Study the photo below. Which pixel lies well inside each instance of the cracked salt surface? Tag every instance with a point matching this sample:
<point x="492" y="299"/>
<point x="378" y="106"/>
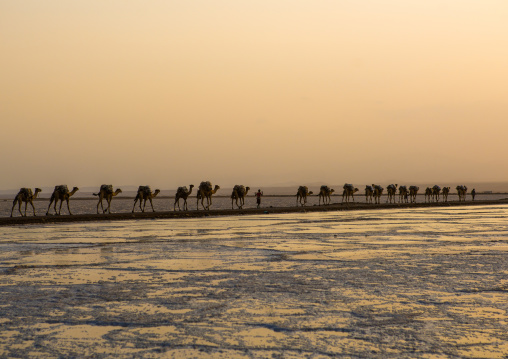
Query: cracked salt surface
<point x="393" y="283"/>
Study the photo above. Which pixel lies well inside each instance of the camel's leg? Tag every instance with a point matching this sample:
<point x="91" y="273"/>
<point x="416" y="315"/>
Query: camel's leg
<point x="100" y="202"/>
<point x="14" y="205"/>
<point x="56" y="201"/>
<point x="102" y="205"/>
<point x="232" y="207"/>
<point x="174" y="205"/>
<point x="109" y="205"/>
<point x="151" y="204"/>
<point x="68" y="208"/>
<point x="208" y="202"/>
<point x="50" y="202"/>
<point x="33" y="207"/>
<point x="19" y="207"/>
<point x="142" y="210"/>
<point x="26" y="204"/>
<point x="135" y="201"/>
<point x="185" y="207"/>
<point x="61" y="203"/>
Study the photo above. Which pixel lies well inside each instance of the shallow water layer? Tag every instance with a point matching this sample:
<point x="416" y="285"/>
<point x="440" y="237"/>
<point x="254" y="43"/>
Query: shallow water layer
<point x="426" y="282"/>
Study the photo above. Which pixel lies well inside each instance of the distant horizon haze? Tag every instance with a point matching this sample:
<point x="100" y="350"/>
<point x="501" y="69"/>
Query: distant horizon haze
<point x="168" y="93"/>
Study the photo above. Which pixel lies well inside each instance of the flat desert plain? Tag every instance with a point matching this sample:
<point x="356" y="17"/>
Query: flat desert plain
<point x="408" y="282"/>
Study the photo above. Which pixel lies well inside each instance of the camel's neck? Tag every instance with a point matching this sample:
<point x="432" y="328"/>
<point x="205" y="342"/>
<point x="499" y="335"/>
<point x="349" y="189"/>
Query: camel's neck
<point x="72" y="192"/>
<point x="36" y="194"/>
<point x="117" y="192"/>
<point x="190" y="191"/>
<point x="214" y="191"/>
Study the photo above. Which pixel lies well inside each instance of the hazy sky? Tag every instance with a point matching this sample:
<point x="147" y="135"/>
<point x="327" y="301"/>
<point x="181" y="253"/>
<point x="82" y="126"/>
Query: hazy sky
<point x="169" y="93"/>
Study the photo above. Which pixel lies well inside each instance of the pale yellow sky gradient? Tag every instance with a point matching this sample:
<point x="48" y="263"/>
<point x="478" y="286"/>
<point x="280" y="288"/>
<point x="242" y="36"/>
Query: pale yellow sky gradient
<point x="169" y="93"/>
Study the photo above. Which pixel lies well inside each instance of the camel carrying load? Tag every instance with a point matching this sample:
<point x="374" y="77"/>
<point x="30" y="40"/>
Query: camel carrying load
<point x="349" y="191"/>
<point x="147" y="191"/>
<point x="205" y="191"/>
<point x="239" y="189"/>
<point x="403" y="194"/>
<point x="391" y="189"/>
<point x="25" y="195"/>
<point x="62" y="189"/>
<point x="61" y="193"/>
<point x="461" y="191"/>
<point x="238" y="194"/>
<point x="107" y="188"/>
<point x="349" y="186"/>
<point x="181" y="190"/>
<point x="26" y="192"/>
<point x="413" y="191"/>
<point x="369" y="193"/>
<point x="206" y="185"/>
<point x="325" y="193"/>
<point x="378" y="191"/>
<point x="324" y="188"/>
<point x="301" y="195"/>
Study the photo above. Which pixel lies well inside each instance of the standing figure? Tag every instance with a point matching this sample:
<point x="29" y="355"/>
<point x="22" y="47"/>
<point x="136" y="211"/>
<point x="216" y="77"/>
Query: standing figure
<point x="473" y="193"/>
<point x="259" y="194"/>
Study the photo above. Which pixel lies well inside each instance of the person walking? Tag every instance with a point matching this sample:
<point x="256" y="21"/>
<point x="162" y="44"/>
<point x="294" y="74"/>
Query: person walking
<point x="473" y="193"/>
<point x="258" y="197"/>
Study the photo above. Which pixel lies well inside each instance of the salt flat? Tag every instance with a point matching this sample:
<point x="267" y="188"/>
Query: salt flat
<point x="419" y="282"/>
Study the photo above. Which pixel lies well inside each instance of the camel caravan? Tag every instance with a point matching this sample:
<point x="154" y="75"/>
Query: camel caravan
<point x="205" y="191"/>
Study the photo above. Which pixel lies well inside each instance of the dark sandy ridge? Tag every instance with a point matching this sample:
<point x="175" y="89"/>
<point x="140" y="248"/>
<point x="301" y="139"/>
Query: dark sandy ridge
<point x="9" y="221"/>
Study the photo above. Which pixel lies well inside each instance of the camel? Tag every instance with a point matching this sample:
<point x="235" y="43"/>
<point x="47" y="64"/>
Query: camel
<point x="25" y="195"/>
<point x="61" y="193"/>
<point x="391" y="190"/>
<point x="446" y="191"/>
<point x="428" y="194"/>
<point x="106" y="191"/>
<point x="301" y="195"/>
<point x="436" y="190"/>
<point x="239" y="193"/>
<point x="378" y="191"/>
<point x="144" y="194"/>
<point x="369" y="192"/>
<point x="462" y="191"/>
<point x="349" y="191"/>
<point x="413" y="191"/>
<point x="205" y="191"/>
<point x="403" y="194"/>
<point x="325" y="192"/>
<point x="184" y="193"/>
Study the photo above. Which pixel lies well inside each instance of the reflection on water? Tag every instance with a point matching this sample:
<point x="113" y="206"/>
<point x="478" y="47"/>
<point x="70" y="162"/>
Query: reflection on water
<point x="412" y="282"/>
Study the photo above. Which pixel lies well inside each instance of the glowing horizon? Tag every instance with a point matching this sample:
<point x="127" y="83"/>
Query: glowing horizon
<point x="266" y="93"/>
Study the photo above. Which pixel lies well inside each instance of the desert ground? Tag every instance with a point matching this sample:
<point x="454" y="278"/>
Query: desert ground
<point x="427" y="282"/>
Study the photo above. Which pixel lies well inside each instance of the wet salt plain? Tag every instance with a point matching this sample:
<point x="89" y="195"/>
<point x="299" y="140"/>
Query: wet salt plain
<point x="420" y="282"/>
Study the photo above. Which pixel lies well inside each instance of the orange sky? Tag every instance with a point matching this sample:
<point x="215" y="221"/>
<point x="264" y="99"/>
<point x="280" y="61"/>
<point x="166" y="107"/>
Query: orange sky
<point x="169" y="93"/>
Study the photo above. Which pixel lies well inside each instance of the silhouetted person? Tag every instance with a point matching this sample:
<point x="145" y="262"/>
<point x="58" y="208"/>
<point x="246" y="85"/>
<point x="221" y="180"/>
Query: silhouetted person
<point x="258" y="197"/>
<point x="473" y="193"/>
